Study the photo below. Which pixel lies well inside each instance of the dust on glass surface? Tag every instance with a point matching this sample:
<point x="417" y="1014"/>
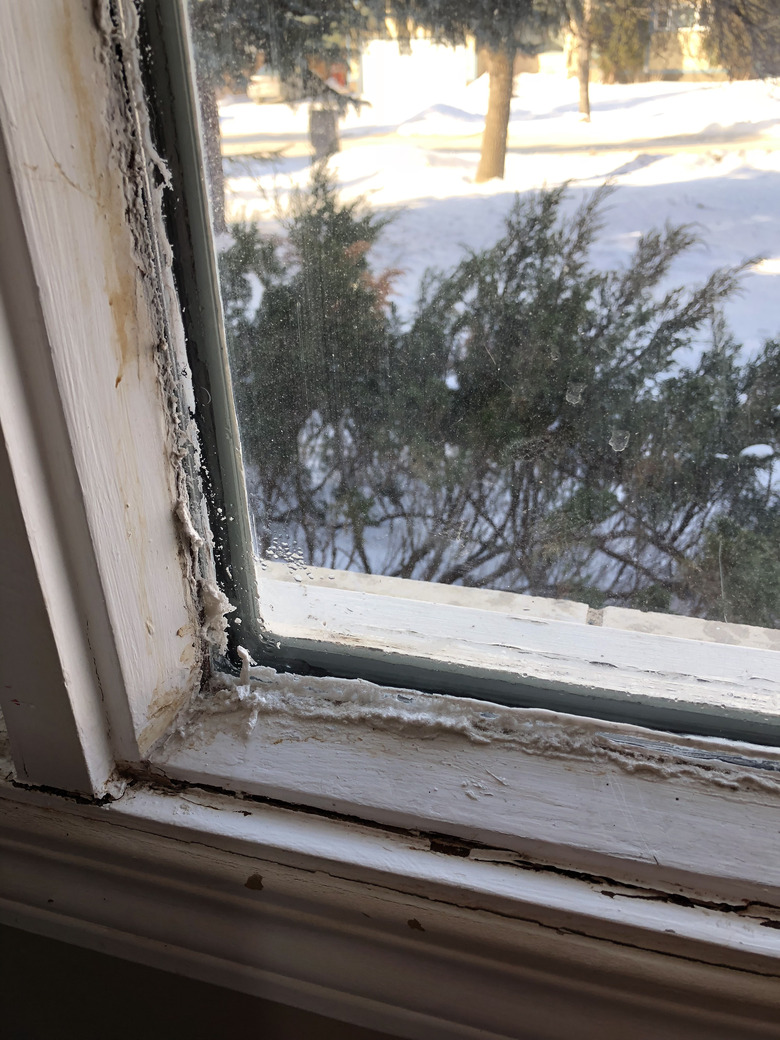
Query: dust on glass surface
<point x="499" y="283"/>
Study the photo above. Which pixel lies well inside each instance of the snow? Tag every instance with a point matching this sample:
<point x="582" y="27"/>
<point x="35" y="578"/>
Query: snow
<point x="546" y="108"/>
<point x="704" y="154"/>
<point x="758" y="451"/>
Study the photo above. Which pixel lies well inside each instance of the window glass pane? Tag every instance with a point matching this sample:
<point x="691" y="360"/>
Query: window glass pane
<point x="500" y="304"/>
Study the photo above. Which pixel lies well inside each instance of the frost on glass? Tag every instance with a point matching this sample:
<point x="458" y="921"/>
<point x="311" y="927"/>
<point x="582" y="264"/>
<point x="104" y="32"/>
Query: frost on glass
<point x="499" y="283"/>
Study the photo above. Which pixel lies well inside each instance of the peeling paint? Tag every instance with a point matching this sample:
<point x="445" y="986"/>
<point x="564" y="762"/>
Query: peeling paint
<point x="146" y="178"/>
<point x="188" y="528"/>
<point x="236" y="704"/>
<point x="215" y="606"/>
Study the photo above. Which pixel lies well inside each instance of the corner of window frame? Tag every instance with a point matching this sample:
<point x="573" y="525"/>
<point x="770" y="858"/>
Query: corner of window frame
<point x="104" y="633"/>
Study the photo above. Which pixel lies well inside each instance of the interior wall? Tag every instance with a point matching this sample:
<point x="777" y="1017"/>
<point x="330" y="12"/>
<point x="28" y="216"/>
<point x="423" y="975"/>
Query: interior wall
<point x="53" y="990"/>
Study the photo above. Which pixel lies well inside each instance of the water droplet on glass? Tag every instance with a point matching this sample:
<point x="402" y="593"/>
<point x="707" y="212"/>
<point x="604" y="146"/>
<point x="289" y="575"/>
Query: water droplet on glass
<point x="619" y="440"/>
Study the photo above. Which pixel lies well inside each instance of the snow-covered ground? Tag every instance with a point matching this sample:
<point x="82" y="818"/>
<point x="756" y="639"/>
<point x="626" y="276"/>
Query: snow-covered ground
<point x="706" y="154"/>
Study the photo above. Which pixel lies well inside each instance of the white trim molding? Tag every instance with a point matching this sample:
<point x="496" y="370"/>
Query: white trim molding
<point x="86" y="408"/>
<point x="678" y="673"/>
<point x="692" y="814"/>
<point x="395" y="931"/>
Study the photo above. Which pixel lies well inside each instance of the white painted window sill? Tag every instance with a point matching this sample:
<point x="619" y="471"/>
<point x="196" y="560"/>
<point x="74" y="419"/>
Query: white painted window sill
<point x="585" y="793"/>
<point x="684" y="674"/>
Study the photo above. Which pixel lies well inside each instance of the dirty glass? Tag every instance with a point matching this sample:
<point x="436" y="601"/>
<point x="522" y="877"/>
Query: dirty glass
<point x="499" y="284"/>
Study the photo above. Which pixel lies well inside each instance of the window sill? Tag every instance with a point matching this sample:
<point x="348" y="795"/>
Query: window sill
<point x="693" y="813"/>
<point x="388" y="929"/>
<point x="675" y="673"/>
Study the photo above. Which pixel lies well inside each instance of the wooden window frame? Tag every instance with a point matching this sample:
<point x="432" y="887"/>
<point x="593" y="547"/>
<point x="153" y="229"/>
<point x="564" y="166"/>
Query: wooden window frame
<point x="439" y="866"/>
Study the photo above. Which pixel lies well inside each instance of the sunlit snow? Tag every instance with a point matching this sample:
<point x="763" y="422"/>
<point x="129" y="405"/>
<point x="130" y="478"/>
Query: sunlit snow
<point x="704" y="154"/>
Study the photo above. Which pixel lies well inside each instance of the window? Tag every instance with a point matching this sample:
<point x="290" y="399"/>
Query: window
<point x="500" y="851"/>
<point x="569" y="517"/>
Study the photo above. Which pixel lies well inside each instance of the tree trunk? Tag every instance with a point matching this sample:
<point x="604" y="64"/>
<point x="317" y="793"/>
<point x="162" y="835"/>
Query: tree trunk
<point x="405" y="30"/>
<point x="583" y="75"/>
<point x="581" y="28"/>
<point x="324" y="132"/>
<point x="212" y="152"/>
<point x="493" y="155"/>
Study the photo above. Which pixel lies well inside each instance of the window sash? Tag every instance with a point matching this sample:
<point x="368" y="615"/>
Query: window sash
<point x="169" y="75"/>
<point x="525" y="651"/>
<point x="663" y="677"/>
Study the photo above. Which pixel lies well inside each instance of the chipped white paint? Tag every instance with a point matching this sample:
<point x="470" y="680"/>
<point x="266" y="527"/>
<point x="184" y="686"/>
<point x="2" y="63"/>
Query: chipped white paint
<point x="691" y="628"/>
<point x="264" y="692"/>
<point x="88" y="404"/>
<point x="509" y="603"/>
<point x="215" y="606"/>
<point x="384" y="929"/>
<point x="529" y="647"/>
<point x="604" y="797"/>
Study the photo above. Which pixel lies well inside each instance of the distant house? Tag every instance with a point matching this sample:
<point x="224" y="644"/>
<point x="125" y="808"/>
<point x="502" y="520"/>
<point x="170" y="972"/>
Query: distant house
<point x="677" y="46"/>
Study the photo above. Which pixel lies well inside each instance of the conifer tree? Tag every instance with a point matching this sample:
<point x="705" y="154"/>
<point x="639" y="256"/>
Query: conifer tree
<point x="534" y="427"/>
<point x="743" y="36"/>
<point x="620" y="33"/>
<point x="228" y="35"/>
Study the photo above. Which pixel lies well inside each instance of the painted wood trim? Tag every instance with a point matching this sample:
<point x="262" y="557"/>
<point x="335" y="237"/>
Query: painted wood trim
<point x="694" y="813"/>
<point x="48" y="749"/>
<point x="49" y="690"/>
<point x="519" y="650"/>
<point x="90" y="380"/>
<point x="521" y="605"/>
<point x="377" y="928"/>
